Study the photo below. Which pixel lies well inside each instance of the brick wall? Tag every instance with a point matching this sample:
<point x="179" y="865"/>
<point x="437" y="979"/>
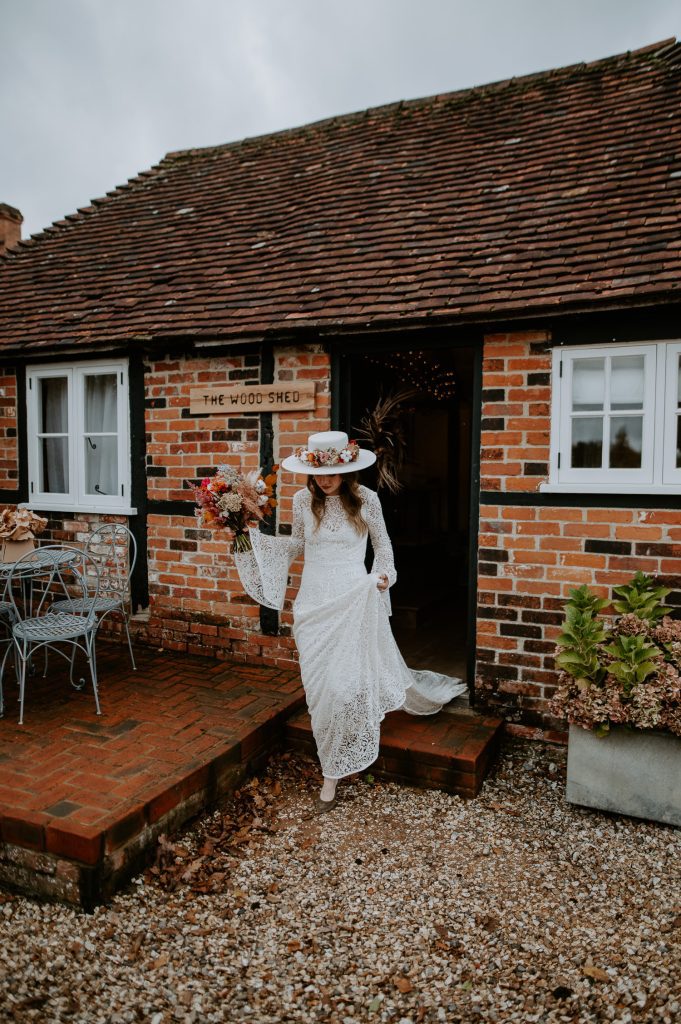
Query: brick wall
<point x="182" y="446"/>
<point x="196" y="600"/>
<point x="9" y="475"/>
<point x="530" y="557"/>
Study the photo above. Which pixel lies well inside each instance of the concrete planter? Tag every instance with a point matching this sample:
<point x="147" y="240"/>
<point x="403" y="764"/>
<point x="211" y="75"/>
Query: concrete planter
<point x="636" y="772"/>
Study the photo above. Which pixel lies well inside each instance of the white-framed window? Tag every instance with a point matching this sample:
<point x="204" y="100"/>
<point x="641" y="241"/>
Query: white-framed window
<point x="78" y="436"/>
<point x="616" y="418"/>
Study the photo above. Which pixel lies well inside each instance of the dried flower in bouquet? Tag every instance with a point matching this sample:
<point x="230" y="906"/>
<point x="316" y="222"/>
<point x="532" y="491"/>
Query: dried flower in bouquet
<point x="20" y="524"/>
<point x="235" y="502"/>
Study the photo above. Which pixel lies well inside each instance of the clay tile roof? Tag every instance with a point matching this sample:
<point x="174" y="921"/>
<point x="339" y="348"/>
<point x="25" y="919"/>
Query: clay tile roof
<point x="559" y="190"/>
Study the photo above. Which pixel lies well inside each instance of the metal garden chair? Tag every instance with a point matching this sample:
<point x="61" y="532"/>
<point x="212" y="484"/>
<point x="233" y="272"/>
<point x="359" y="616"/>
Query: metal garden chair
<point x="36" y="584"/>
<point x="114" y="550"/>
<point x="7" y="620"/>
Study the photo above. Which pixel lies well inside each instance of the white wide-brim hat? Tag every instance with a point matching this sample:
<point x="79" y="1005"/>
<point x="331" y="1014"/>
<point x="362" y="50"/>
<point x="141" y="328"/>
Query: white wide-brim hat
<point x="328" y="453"/>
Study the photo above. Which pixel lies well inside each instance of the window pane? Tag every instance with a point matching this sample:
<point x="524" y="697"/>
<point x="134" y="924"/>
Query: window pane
<point x="588" y="384"/>
<point x="626" y="442"/>
<point x="587" y="442"/>
<point x="626" y="382"/>
<point x="678" y="442"/>
<point x="101" y="402"/>
<point x="101" y="465"/>
<point x="54" y="465"/>
<point x="678" y="391"/>
<point x="53" y="405"/>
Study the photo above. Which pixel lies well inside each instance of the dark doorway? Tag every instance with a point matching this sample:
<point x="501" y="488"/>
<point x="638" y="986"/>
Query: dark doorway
<point x="428" y="518"/>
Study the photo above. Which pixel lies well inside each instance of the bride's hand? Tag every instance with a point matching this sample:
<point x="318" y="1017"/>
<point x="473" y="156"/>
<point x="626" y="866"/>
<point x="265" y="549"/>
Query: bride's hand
<point x="383" y="584"/>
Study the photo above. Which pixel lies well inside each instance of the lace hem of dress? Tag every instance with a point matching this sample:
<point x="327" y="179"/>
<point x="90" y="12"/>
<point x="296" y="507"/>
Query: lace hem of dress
<point x="457" y="687"/>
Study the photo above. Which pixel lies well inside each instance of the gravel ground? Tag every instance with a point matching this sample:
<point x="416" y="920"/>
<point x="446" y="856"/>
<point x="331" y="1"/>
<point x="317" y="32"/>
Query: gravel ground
<point x="399" y="905"/>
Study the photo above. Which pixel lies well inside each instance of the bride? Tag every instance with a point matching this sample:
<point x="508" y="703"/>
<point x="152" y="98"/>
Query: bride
<point x="351" y="668"/>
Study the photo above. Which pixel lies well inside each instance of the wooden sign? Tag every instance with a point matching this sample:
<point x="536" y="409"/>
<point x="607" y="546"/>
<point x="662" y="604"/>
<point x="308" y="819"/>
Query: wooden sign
<point x="236" y="398"/>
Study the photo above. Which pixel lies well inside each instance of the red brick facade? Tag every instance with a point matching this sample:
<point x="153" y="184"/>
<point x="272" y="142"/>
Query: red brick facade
<point x="196" y="600"/>
<point x="530" y="557"/>
<point x="9" y="477"/>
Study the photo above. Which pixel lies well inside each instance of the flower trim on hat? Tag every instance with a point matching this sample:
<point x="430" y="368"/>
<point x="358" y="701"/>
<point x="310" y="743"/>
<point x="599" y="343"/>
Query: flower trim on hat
<point x="328" y="456"/>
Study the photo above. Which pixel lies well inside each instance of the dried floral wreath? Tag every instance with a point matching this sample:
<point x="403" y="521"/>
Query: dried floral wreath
<point x="384" y="431"/>
<point x="329" y="456"/>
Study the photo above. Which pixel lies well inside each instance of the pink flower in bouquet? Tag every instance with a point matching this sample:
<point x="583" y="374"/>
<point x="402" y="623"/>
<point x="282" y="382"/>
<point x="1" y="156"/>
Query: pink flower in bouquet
<point x="235" y="502"/>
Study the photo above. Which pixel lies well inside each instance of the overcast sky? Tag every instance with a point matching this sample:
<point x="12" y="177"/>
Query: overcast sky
<point x="93" y="91"/>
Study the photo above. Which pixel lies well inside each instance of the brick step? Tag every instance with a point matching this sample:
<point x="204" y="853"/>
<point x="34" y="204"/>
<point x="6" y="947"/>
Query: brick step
<point x="451" y="750"/>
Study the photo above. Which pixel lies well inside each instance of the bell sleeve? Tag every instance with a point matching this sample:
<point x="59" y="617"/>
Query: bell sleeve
<point x="263" y="571"/>
<point x="384" y="561"/>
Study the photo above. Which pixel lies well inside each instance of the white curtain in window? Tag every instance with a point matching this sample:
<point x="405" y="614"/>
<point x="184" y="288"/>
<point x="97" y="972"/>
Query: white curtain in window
<point x="101" y="419"/>
<point x="54" y="415"/>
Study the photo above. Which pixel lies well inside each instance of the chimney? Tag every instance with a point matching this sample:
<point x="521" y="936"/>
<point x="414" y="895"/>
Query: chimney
<point x="10" y="227"/>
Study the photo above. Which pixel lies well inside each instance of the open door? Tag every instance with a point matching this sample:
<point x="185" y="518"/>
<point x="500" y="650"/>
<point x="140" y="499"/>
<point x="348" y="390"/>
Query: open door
<point x="428" y="436"/>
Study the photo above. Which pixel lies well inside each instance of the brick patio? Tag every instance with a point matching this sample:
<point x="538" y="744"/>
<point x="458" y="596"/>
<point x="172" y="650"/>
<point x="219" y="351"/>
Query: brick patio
<point x="83" y="798"/>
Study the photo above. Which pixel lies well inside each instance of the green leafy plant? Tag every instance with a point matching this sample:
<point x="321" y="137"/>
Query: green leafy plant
<point x="634" y="659"/>
<point x="641" y="598"/>
<point x="628" y="674"/>
<point x="582" y="633"/>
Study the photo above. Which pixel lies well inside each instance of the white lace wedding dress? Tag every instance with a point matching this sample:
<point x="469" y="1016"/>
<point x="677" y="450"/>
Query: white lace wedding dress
<point x="351" y="668"/>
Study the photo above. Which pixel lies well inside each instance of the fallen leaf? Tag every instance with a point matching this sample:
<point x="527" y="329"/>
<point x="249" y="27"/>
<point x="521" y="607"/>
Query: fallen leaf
<point x="403" y="984"/>
<point x="595" y="972"/>
<point x="160" y="961"/>
<point x="191" y="869"/>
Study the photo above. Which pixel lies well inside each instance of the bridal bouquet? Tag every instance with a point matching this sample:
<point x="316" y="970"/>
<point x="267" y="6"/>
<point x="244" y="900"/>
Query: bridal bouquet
<point x="235" y="501"/>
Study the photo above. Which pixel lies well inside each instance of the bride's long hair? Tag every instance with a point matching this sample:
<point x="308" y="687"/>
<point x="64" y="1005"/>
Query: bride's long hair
<point x="350" y="497"/>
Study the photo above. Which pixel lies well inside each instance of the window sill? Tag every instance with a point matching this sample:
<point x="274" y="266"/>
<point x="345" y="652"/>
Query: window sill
<point x="610" y="488"/>
<point x="39" y="506"/>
